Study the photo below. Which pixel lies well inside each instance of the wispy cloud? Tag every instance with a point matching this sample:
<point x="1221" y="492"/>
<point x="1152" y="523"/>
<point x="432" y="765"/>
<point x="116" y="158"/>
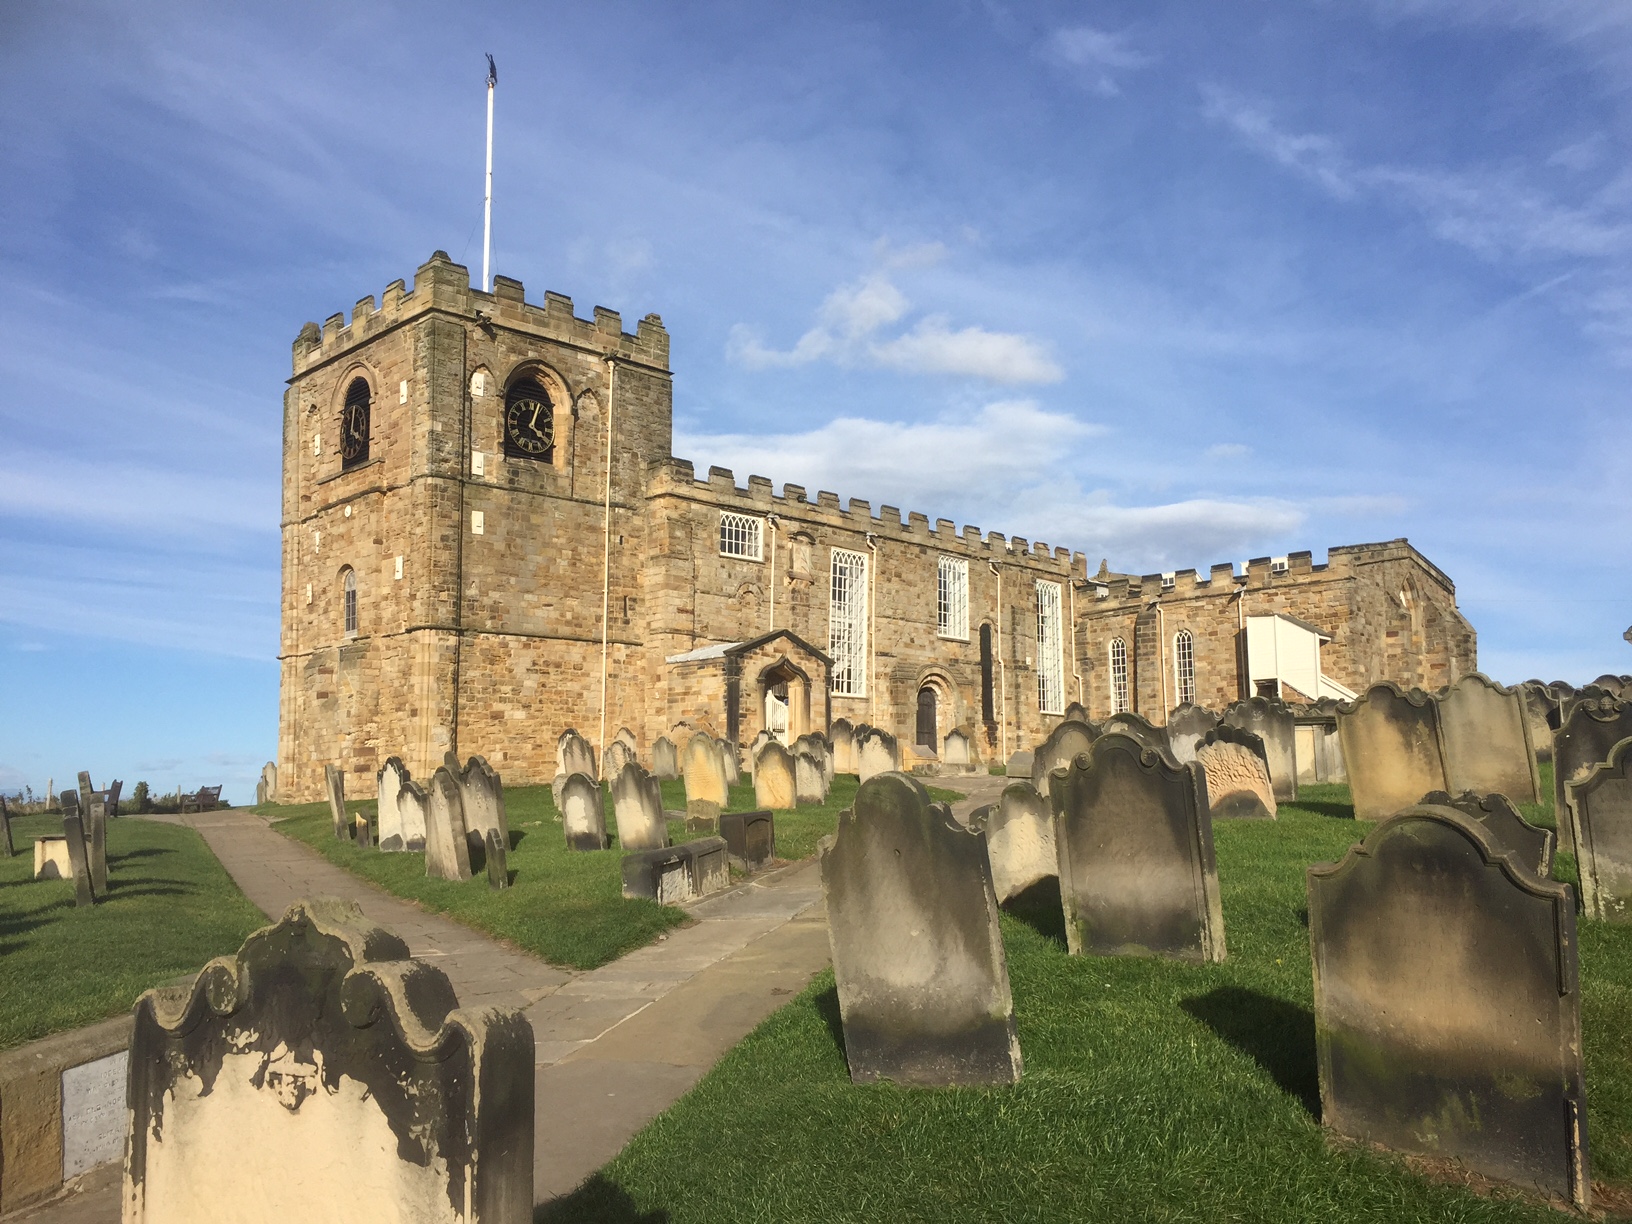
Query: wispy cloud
<point x="1097" y="54"/>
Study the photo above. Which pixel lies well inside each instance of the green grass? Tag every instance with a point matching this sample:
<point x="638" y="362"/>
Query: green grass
<point x="1152" y="1090"/>
<point x="564" y="905"/>
<point x="170" y="908"/>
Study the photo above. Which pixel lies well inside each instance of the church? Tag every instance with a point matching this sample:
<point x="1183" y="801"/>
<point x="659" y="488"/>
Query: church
<point x="487" y="540"/>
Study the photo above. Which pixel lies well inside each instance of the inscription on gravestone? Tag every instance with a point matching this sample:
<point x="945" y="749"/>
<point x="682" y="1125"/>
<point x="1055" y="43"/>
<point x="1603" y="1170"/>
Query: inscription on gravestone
<point x="1238" y="786"/>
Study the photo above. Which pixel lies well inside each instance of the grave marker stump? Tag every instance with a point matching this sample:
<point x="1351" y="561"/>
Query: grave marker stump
<point x="335" y="783"/>
<point x="750" y="838"/>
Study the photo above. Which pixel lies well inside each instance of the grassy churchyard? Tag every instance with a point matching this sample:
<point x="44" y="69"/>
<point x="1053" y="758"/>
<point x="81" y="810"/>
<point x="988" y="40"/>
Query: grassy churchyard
<point x="170" y="908"/>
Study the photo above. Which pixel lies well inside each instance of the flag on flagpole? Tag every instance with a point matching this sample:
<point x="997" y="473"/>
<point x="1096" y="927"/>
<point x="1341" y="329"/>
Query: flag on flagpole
<point x="492" y="73"/>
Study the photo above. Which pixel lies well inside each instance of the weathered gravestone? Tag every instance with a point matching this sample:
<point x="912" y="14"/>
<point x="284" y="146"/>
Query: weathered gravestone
<point x="1135" y="726"/>
<point x="730" y="764"/>
<point x="708" y="862"/>
<point x="1593" y="727"/>
<point x="269" y="778"/>
<point x="1447" y="1006"/>
<point x="1134" y="841"/>
<point x="414" y="808"/>
<point x="704" y="771"/>
<point x="1185" y="727"/>
<point x="1507" y="827"/>
<point x="618" y="754"/>
<point x="583" y="814"/>
<point x="482" y="793"/>
<point x="97" y="844"/>
<point x="1540" y="713"/>
<point x="922" y="979"/>
<point x="447" y="850"/>
<point x="5" y="829"/>
<point x="1391" y="749"/>
<point x="321" y="1074"/>
<point x="1062" y="746"/>
<point x="842" y="736"/>
<point x="626" y="737"/>
<point x="51" y="861"/>
<point x="750" y="838"/>
<point x="958" y="751"/>
<point x="815" y="745"/>
<point x="1272" y="721"/>
<point x="1020" y="764"/>
<point x="1320" y="756"/>
<point x="1237" y="771"/>
<point x="876" y="753"/>
<point x="363" y="829"/>
<point x="1019" y="830"/>
<point x="1487" y="744"/>
<point x="574" y="755"/>
<point x="774" y="778"/>
<point x="85" y="789"/>
<point x="754" y="745"/>
<point x="662" y="874"/>
<point x="388" y="784"/>
<point x="665" y="760"/>
<point x="79" y="859"/>
<point x="809" y="782"/>
<point x="260" y="791"/>
<point x="637" y="808"/>
<point x="335" y="786"/>
<point x="498" y="861"/>
<point x="1077" y="711"/>
<point x="1601" y="806"/>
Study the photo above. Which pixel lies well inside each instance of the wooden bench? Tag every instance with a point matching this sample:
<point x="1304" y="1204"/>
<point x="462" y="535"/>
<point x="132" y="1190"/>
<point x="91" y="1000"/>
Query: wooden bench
<point x="207" y="799"/>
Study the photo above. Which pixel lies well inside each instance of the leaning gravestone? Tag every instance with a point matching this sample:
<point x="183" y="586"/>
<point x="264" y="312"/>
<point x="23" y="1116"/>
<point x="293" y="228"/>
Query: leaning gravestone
<point x="1602" y="807"/>
<point x="1019" y="830"/>
<point x="335" y="781"/>
<point x="1020" y="764"/>
<point x="922" y="979"/>
<point x="665" y="761"/>
<point x="750" y="838"/>
<point x="876" y="753"/>
<point x="618" y="754"/>
<point x="447" y="850"/>
<point x="809" y="782"/>
<point x="73" y="833"/>
<point x="413" y="807"/>
<point x="773" y="778"/>
<point x="626" y="737"/>
<point x="5" y="829"/>
<point x="482" y="792"/>
<point x="1594" y="726"/>
<point x="97" y="844"/>
<point x="843" y="738"/>
<point x="1447" y="1005"/>
<point x="1391" y="750"/>
<point x="498" y="861"/>
<point x="1272" y="721"/>
<point x="704" y="771"/>
<point x="1062" y="746"/>
<point x="1185" y="727"/>
<point x="730" y="763"/>
<point x="85" y="789"/>
<point x="958" y="751"/>
<point x="1238" y="786"/>
<point x="1138" y="876"/>
<point x="321" y="1074"/>
<point x="583" y="814"/>
<point x="1540" y="708"/>
<point x="1487" y="744"/>
<point x="388" y="784"/>
<point x="269" y="778"/>
<point x="1507" y="827"/>
<point x="637" y="807"/>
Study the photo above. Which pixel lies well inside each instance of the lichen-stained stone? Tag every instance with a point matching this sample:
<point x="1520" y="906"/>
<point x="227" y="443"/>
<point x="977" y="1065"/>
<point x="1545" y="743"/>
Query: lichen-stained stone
<point x="1020" y="763"/>
<point x="573" y="754"/>
<point x="618" y="754"/>
<point x="1061" y="747"/>
<point x="814" y="744"/>
<point x="336" y="783"/>
<point x="774" y="778"/>
<point x="1391" y="749"/>
<point x="447" y="851"/>
<point x="321" y="1074"/>
<point x="1019" y="830"/>
<point x="1487" y="744"/>
<point x="637" y="807"/>
<point x="876" y="753"/>
<point x="414" y="807"/>
<point x="912" y="922"/>
<point x="843" y="738"/>
<point x="1135" y="847"/>
<point x="626" y="737"/>
<point x="665" y="760"/>
<point x="1528" y="843"/>
<point x="388" y="784"/>
<point x="1590" y="729"/>
<point x="1185" y="727"/>
<point x="809" y="780"/>
<point x="1238" y="786"/>
<point x="1273" y="721"/>
<point x="583" y="814"/>
<point x="482" y="791"/>
<point x="1601" y="806"/>
<point x="1447" y="1005"/>
<point x="750" y="838"/>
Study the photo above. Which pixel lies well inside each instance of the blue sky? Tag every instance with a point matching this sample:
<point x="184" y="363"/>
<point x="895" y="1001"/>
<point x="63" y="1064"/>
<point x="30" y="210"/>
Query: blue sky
<point x="1170" y="283"/>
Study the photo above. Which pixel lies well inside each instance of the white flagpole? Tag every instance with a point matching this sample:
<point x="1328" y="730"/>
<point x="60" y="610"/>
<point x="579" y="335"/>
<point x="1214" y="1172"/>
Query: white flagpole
<point x="487" y="208"/>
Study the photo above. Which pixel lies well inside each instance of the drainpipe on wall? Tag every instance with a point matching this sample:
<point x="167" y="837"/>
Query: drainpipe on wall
<point x="872" y="623"/>
<point x="1002" y="674"/>
<point x="772" y="519"/>
<point x="606" y="547"/>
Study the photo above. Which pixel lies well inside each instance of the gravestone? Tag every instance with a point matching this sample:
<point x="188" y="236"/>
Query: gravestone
<point x="815" y="745"/>
<point x="618" y="754"/>
<point x="583" y="814"/>
<point x="1487" y="744"/>
<point x="482" y="793"/>
<point x="1391" y="749"/>
<point x="1540" y="711"/>
<point x="1272" y="721"/>
<point x="79" y="860"/>
<point x="1019" y="765"/>
<point x="114" y="788"/>
<point x="773" y="778"/>
<point x="1134" y="841"/>
<point x="573" y="754"/>
<point x="841" y="734"/>
<point x="335" y="784"/>
<point x="730" y="763"/>
<point x="958" y="751"/>
<point x="708" y="863"/>
<point x="662" y="874"/>
<point x="1447" y="1005"/>
<point x="388" y="782"/>
<point x="1505" y="825"/>
<point x="759" y="741"/>
<point x="703" y="770"/>
<point x="1237" y="771"/>
<point x="876" y="753"/>
<point x="269" y="778"/>
<point x="1019" y="830"/>
<point x="85" y="789"/>
<point x="1135" y="726"/>
<point x="260" y="792"/>
<point x="1601" y="804"/>
<point x="750" y="838"/>
<point x="498" y="861"/>
<point x="1185" y="727"/>
<point x="665" y="761"/>
<point x="1076" y="712"/>
<point x="96" y="846"/>
<point x="637" y="808"/>
<point x="626" y="737"/>
<point x="447" y="849"/>
<point x="809" y="782"/>
<point x="320" y="1074"/>
<point x="922" y="979"/>
<point x="360" y="820"/>
<point x="1320" y="758"/>
<point x="68" y="803"/>
<point x="413" y="807"/>
<point x="5" y="829"/>
<point x="51" y="861"/>
<point x="1594" y="726"/>
<point x="1061" y="747"/>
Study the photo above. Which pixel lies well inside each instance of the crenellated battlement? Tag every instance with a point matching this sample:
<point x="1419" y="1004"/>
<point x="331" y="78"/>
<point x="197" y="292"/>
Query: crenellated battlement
<point x="440" y="284"/>
<point x="1342" y="562"/>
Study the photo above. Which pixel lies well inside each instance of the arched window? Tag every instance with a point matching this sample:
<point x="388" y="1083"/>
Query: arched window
<point x="1119" y="676"/>
<point x="988" y="708"/>
<point x="348" y="586"/>
<point x="1184" y="666"/>
<point x="354" y="425"/>
<point x="529" y="421"/>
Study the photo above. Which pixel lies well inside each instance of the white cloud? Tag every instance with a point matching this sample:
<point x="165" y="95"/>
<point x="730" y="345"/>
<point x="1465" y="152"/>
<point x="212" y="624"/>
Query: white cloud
<point x="1099" y="52"/>
<point x="1228" y="450"/>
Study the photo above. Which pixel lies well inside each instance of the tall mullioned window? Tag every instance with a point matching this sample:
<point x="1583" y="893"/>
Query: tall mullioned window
<point x="1119" y="675"/>
<point x="952" y="599"/>
<point x="348" y="586"/>
<point x="1050" y="649"/>
<point x="742" y="535"/>
<point x="1184" y="666"/>
<point x="847" y="623"/>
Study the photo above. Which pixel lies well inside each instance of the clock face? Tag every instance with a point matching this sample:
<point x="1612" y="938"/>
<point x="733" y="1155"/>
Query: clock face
<point x="354" y="431"/>
<point x="529" y="424"/>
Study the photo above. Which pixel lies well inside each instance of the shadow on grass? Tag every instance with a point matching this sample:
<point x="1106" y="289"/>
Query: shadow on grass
<point x="827" y="1003"/>
<point x="1323" y="807"/>
<point x="1038" y="906"/>
<point x="596" y="1200"/>
<point x="1277" y="1035"/>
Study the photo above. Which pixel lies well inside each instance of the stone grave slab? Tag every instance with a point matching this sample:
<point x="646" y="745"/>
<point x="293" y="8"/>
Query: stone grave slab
<point x="573" y="754"/>
<point x="1391" y="749"/>
<point x="774" y="778"/>
<point x="750" y="838"/>
<point x="447" y="847"/>
<point x="96" y="844"/>
<point x="1237" y="771"/>
<point x="958" y="751"/>
<point x="388" y="785"/>
<point x="876" y="753"/>
<point x="1274" y="722"/>
<point x="1592" y="727"/>
<point x="809" y="780"/>
<point x="269" y="776"/>
<point x="665" y="760"/>
<point x="51" y="861"/>
<point x="626" y="737"/>
<point x="708" y="862"/>
<point x="482" y="791"/>
<point x="841" y="734"/>
<point x="703" y="768"/>
<point x="498" y="861"/>
<point x="583" y="813"/>
<point x="1020" y="763"/>
<point x="1185" y="727"/>
<point x="1601" y="805"/>
<point x="637" y="808"/>
<point x="1506" y="825"/>
<point x="618" y="754"/>
<point x="730" y="764"/>
<point x="79" y="860"/>
<point x="413" y="807"/>
<point x="1019" y="830"/>
<point x="662" y="875"/>
<point x="335" y="787"/>
<point x="6" y="843"/>
<point x="1062" y="746"/>
<point x="1487" y="743"/>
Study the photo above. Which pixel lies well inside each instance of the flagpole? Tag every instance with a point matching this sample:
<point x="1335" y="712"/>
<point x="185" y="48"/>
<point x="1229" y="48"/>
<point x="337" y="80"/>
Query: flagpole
<point x="487" y="208"/>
